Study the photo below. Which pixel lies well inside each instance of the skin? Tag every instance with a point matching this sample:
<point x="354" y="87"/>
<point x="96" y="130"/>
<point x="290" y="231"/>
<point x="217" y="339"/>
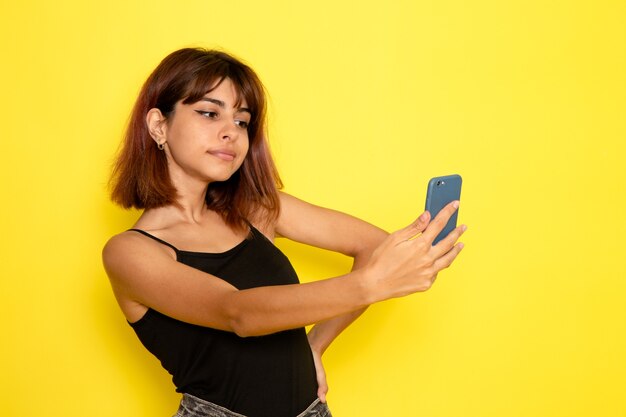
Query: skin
<point x="207" y="141"/>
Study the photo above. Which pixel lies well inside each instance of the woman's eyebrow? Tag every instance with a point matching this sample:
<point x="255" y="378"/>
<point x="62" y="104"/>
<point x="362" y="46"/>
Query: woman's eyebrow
<point x="223" y="105"/>
<point x="214" y="101"/>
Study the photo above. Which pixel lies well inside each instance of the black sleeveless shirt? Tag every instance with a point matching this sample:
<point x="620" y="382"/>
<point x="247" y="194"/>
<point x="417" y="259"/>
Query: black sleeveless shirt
<point x="265" y="376"/>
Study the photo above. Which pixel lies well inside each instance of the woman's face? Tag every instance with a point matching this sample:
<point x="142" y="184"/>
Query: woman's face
<point x="208" y="140"/>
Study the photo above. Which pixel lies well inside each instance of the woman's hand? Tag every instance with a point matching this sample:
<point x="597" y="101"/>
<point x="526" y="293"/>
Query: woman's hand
<point x="407" y="262"/>
<point x="322" y="385"/>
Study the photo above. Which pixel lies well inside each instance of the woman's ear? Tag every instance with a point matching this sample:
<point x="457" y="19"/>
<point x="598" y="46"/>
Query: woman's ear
<point x="157" y="126"/>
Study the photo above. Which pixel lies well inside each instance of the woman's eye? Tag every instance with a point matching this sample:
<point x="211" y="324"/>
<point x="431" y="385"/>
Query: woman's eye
<point x="209" y="114"/>
<point x="242" y="124"/>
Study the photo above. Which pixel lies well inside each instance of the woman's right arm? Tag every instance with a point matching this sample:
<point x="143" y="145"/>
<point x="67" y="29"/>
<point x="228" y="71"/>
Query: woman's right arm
<point x="142" y="272"/>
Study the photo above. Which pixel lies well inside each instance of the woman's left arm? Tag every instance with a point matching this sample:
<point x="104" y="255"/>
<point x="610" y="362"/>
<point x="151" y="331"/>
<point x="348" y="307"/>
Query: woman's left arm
<point x="338" y="232"/>
<point x="322" y="335"/>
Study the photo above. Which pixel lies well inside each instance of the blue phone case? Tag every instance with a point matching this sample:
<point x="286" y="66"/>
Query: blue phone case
<point x="442" y="191"/>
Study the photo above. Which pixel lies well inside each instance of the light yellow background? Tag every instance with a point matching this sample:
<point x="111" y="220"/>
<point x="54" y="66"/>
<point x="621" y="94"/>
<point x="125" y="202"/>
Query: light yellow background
<point x="525" y="99"/>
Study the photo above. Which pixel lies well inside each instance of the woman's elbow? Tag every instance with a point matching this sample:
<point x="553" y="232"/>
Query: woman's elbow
<point x="241" y="322"/>
<point x="247" y="328"/>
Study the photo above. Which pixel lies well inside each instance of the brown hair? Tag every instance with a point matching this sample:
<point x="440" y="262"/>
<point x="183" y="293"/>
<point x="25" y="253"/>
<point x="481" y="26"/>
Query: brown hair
<point x="140" y="176"/>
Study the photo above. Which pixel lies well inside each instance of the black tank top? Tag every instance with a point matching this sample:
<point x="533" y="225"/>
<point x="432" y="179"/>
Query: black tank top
<point x="266" y="376"/>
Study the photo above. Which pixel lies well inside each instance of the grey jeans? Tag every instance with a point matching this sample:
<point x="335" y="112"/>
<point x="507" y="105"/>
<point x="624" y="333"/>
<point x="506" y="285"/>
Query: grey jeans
<point x="191" y="406"/>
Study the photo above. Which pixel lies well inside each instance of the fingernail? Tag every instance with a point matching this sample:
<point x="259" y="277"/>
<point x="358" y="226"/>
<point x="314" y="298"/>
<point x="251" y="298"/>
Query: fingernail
<point x="422" y="216"/>
<point x="460" y="245"/>
<point x="455" y="204"/>
<point x="464" y="228"/>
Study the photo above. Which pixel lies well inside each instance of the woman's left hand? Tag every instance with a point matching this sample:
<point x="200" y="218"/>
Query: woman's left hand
<point x="322" y="386"/>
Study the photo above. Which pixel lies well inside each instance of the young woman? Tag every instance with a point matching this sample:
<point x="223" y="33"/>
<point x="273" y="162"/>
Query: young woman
<point x="198" y="277"/>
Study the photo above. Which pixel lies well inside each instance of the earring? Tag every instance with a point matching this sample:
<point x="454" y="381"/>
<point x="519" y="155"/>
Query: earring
<point x="161" y="146"/>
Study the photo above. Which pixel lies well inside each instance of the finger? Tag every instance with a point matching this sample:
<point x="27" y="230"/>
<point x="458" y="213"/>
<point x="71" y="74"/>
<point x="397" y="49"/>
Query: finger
<point x="446" y="260"/>
<point x="321" y="392"/>
<point x="414" y="228"/>
<point x="322" y="386"/>
<point x="440" y="221"/>
<point x="445" y="244"/>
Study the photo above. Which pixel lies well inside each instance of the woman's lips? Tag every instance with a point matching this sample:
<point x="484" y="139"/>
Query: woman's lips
<point x="223" y="154"/>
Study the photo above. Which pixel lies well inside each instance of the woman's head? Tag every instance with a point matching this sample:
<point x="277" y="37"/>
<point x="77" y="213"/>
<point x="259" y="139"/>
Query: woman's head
<point x="141" y="178"/>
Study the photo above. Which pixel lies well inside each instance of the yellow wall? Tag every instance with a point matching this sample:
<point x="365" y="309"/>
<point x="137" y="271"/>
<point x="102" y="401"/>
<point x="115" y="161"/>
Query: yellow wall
<point x="524" y="98"/>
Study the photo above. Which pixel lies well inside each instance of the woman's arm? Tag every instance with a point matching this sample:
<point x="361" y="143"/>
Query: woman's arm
<point x="142" y="271"/>
<point x="340" y="232"/>
<point x="323" y="334"/>
<point x="329" y="229"/>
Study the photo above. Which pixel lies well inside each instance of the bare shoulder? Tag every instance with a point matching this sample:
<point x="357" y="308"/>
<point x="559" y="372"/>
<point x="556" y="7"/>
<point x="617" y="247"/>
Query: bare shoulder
<point x="117" y="244"/>
<point x="114" y="250"/>
<point x="290" y="210"/>
<point x="126" y="258"/>
<point x="130" y="259"/>
<point x="128" y="247"/>
<point x="144" y="274"/>
<point x="267" y="224"/>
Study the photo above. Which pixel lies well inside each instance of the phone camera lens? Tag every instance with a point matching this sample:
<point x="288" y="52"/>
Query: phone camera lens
<point x="440" y="183"/>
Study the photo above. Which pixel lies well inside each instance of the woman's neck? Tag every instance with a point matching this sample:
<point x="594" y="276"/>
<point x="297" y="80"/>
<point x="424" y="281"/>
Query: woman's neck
<point x="190" y="198"/>
<point x="191" y="209"/>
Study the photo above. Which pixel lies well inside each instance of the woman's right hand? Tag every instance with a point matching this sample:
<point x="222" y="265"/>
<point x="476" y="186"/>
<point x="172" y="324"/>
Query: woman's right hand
<point x="407" y="261"/>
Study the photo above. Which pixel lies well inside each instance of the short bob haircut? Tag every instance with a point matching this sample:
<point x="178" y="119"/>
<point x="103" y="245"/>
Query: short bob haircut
<point x="140" y="176"/>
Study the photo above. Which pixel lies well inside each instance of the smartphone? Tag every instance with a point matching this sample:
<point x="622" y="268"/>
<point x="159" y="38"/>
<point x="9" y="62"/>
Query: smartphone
<point x="441" y="191"/>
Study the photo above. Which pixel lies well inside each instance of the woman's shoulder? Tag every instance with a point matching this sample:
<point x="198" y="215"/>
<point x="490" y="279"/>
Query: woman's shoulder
<point x="144" y="234"/>
<point x="119" y="243"/>
<point x="264" y="222"/>
<point x="269" y="225"/>
<point x="125" y="239"/>
<point x="131" y="246"/>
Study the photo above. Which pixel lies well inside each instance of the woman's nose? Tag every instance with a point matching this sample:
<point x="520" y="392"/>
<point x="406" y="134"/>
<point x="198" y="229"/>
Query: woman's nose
<point x="228" y="132"/>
